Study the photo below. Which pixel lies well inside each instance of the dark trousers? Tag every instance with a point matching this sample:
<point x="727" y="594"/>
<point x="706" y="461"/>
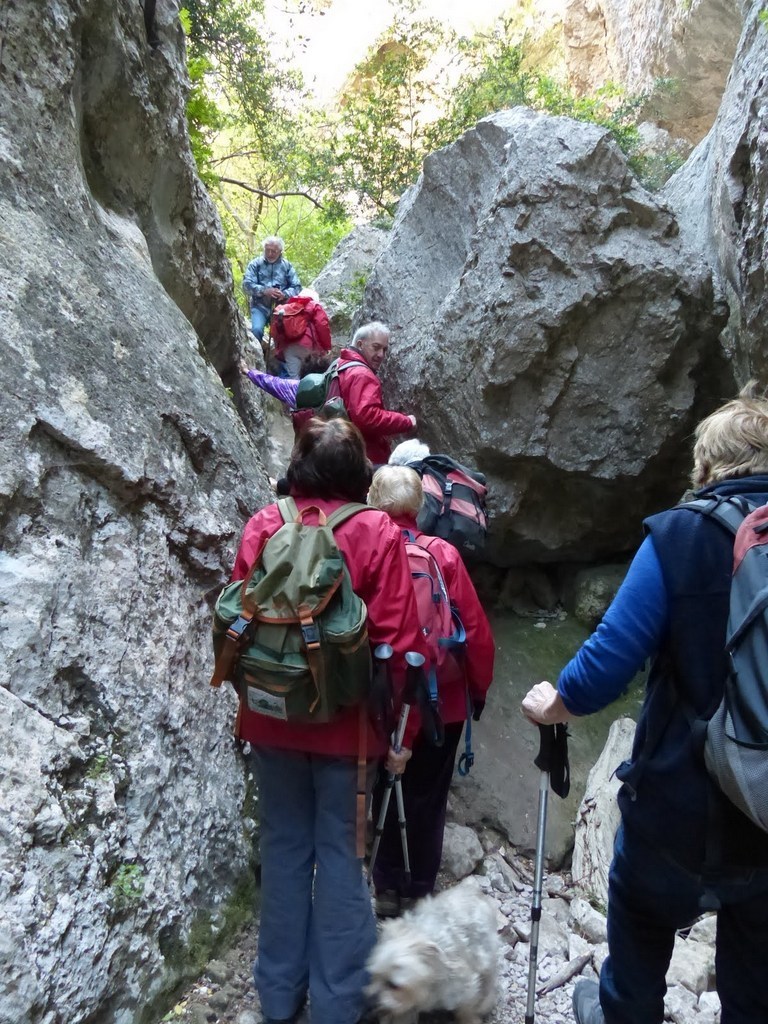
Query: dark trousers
<point x="426" y="781"/>
<point x="649" y="899"/>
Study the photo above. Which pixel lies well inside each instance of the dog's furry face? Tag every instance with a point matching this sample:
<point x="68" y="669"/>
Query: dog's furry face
<point x="442" y="955"/>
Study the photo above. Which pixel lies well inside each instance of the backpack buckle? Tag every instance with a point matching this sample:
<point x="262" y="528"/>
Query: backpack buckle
<point x="238" y="627"/>
<point x="311" y="635"/>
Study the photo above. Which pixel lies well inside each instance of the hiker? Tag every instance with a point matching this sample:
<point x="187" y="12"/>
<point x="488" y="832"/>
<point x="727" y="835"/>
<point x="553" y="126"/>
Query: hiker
<point x="682" y="847"/>
<point x="360" y="391"/>
<point x="299" y="329"/>
<point x="268" y="280"/>
<point x="462" y="684"/>
<point x="409" y="453"/>
<point x="284" y="388"/>
<point x="317" y="926"/>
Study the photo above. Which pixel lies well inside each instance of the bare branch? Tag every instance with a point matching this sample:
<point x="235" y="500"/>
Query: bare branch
<point x="270" y="195"/>
<point x="236" y="155"/>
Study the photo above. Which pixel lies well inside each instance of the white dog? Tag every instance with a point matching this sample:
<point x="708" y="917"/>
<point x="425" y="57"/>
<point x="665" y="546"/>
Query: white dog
<point x="442" y="955"/>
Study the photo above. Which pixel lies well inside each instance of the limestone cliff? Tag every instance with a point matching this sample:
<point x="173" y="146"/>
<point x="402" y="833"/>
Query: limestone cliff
<point x="721" y="200"/>
<point x="126" y="477"/>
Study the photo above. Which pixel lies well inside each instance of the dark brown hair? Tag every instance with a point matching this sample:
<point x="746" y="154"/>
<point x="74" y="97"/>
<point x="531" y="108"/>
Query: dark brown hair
<point x="329" y="461"/>
<point x="315" y="363"/>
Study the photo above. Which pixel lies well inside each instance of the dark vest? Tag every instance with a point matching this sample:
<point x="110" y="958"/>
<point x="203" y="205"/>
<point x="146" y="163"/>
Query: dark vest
<point x="667" y="795"/>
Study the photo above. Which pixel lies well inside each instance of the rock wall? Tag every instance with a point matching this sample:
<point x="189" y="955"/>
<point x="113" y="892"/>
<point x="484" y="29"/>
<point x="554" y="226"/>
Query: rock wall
<point x="721" y="200"/>
<point x="551" y="328"/>
<point x="680" y="52"/>
<point x="125" y="481"/>
<point x="342" y="280"/>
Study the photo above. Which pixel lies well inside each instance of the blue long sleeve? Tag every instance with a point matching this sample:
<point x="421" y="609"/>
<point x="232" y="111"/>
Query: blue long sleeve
<point x="629" y="634"/>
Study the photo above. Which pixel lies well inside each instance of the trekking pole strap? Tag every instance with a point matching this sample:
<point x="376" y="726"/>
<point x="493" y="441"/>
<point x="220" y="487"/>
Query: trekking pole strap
<point x="467" y="759"/>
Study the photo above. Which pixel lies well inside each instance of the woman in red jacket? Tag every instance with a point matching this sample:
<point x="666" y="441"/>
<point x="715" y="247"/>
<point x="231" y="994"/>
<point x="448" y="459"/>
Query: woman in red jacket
<point x="317" y="927"/>
<point x="462" y="681"/>
<point x="299" y="328"/>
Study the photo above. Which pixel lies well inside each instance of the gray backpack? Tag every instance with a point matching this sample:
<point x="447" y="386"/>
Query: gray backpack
<point x="736" y="736"/>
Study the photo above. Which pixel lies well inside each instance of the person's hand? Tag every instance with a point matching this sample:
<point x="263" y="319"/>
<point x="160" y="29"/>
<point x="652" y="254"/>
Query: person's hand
<point x="413" y="421"/>
<point x="397" y="760"/>
<point x="243" y="367"/>
<point x="273" y="293"/>
<point x="543" y="705"/>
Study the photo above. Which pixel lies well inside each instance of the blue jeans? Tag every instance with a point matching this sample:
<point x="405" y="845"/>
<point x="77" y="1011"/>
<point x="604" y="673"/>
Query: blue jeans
<point x="317" y="926"/>
<point x="649" y="899"/>
<point x="259" y="317"/>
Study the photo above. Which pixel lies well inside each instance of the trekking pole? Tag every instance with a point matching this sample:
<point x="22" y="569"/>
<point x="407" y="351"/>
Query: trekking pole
<point x="414" y="661"/>
<point x="545" y="762"/>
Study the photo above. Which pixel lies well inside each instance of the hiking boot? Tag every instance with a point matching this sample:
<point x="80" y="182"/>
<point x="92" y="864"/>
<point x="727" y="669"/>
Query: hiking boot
<point x="407" y="903"/>
<point x="387" y="903"/>
<point x="586" y="1003"/>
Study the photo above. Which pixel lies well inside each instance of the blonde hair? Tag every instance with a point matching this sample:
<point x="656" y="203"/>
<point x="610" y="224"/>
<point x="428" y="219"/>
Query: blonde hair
<point x="733" y="441"/>
<point x="396" y="490"/>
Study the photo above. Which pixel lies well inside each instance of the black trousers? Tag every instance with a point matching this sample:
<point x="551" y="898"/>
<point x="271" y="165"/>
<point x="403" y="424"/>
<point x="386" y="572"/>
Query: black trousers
<point x="426" y="781"/>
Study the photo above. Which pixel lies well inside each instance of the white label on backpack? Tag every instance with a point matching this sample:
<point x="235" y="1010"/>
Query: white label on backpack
<point x="266" y="704"/>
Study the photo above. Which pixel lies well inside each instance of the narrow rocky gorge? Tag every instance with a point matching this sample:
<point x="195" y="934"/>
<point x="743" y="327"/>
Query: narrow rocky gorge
<point x="553" y="324"/>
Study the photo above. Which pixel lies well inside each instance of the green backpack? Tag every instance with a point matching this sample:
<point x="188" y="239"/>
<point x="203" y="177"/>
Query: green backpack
<point x="319" y="392"/>
<point x="292" y="636"/>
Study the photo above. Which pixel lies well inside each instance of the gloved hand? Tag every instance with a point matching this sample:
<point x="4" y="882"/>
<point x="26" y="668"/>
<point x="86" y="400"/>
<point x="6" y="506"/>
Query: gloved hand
<point x="543" y="705"/>
<point x="477" y="709"/>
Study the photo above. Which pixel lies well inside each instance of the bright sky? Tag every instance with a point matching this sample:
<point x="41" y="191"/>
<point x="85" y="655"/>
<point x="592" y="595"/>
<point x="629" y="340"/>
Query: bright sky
<point x="337" y="39"/>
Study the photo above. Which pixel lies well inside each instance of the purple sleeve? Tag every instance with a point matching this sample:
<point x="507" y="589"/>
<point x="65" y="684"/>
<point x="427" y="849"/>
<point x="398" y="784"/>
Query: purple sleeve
<point x="629" y="634"/>
<point x="283" y="388"/>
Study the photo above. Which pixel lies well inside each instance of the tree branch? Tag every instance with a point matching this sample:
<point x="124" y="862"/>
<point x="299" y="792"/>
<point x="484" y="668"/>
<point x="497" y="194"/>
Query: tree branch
<point x="270" y="195"/>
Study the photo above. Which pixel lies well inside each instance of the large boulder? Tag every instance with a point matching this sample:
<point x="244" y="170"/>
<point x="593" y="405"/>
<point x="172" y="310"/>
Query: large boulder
<point x="126" y="478"/>
<point x="341" y="282"/>
<point x="721" y="201"/>
<point x="551" y="328"/>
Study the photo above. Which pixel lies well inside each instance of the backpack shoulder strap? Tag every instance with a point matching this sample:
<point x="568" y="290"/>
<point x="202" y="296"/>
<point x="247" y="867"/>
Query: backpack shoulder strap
<point x="289" y="510"/>
<point x="350" y="364"/>
<point x="729" y="512"/>
<point x="345" y="512"/>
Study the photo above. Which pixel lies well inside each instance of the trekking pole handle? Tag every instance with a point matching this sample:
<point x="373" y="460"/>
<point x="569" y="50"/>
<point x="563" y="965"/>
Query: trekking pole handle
<point x="413" y="674"/>
<point x="543" y="759"/>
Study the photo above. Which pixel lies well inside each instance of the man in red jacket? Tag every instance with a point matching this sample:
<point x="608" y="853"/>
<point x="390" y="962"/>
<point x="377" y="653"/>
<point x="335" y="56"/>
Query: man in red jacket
<point x="360" y="390"/>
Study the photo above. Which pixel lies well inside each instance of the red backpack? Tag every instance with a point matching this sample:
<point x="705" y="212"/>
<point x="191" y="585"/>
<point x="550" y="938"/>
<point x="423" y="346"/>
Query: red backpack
<point x="294" y="320"/>
<point x="440" y="625"/>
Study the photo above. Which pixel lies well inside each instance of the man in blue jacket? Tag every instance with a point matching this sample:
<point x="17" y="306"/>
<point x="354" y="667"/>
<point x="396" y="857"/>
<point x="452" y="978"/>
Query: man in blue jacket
<point x="682" y="846"/>
<point x="269" y="280"/>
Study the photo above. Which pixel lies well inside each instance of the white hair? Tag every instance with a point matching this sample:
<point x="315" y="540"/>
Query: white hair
<point x="396" y="490"/>
<point x="273" y="240"/>
<point x="374" y="329"/>
<point x="408" y="452"/>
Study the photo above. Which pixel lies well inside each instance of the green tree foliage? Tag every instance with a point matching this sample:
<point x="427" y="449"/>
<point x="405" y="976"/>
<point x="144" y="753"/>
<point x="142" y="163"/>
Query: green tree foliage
<point x="499" y="72"/>
<point x="244" y="136"/>
<point x="374" y="146"/>
<point x="494" y="77"/>
<point x="275" y="164"/>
